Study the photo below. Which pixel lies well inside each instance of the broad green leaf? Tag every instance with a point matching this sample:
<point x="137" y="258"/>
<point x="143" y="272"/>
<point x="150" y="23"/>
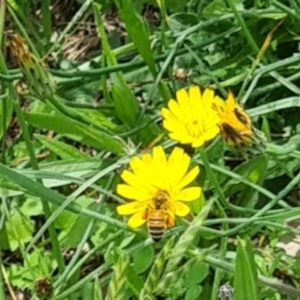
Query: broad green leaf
<point x="73" y="234"/>
<point x="215" y="7"/>
<point x="61" y="149"/>
<point x="83" y="133"/>
<point x="256" y="174"/>
<point x="134" y="281"/>
<point x="196" y="274"/>
<point x="32" y="207"/>
<point x="19" y="229"/>
<point x="193" y="292"/>
<point x="143" y="259"/>
<point x="245" y="273"/>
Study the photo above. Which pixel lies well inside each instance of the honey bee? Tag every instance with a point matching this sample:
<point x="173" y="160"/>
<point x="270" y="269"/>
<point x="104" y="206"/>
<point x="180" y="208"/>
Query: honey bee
<point x="157" y="217"/>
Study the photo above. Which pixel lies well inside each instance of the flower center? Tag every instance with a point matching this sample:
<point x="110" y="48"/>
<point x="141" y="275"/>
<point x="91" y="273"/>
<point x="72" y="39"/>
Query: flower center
<point x="195" y="128"/>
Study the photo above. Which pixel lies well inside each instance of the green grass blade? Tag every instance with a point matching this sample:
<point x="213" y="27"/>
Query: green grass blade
<point x="245" y="274"/>
<point x="61" y="149"/>
<point x="137" y="31"/>
<point x="126" y="105"/>
<point x="37" y="190"/>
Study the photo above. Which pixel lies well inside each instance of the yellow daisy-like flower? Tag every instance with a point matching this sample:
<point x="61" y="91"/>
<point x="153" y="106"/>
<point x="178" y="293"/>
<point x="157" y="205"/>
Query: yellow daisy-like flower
<point x="191" y="119"/>
<point x="235" y="125"/>
<point x="158" y="183"/>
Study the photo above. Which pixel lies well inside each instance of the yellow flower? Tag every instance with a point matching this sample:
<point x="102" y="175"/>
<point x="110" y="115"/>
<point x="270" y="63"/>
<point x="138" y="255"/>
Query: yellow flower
<point x="191" y="119"/>
<point x="157" y="182"/>
<point x="235" y="124"/>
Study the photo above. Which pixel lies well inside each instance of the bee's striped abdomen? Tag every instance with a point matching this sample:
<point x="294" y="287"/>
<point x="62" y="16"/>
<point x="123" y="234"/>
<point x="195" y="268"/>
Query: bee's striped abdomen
<point x="156" y="224"/>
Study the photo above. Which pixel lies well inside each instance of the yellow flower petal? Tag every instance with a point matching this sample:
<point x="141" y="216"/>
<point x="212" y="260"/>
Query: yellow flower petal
<point x="137" y="182"/>
<point x="207" y="99"/>
<point x="197" y="142"/>
<point x="187" y="179"/>
<point x="184" y="103"/>
<point x="178" y="165"/>
<point x="180" y="137"/>
<point x="136" y="164"/>
<point x="159" y="156"/>
<point x="181" y="209"/>
<point x="147" y="160"/>
<point x="167" y="115"/>
<point x="189" y="194"/>
<point x="130" y="192"/>
<point x="137" y="220"/>
<point x="176" y="110"/>
<point x="131" y="207"/>
<point x="172" y="125"/>
<point x="210" y="134"/>
<point x="195" y="99"/>
<point x="230" y="102"/>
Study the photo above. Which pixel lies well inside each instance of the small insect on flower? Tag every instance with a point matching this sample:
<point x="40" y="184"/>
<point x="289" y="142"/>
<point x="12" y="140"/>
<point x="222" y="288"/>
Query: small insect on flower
<point x="236" y="127"/>
<point x="157" y="216"/>
<point x="191" y="119"/>
<point x="157" y="187"/>
<point x="235" y="124"/>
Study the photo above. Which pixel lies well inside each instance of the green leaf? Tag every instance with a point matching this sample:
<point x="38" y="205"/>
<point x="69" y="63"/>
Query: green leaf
<point x="82" y="133"/>
<point x="196" y="274"/>
<point x="32" y="207"/>
<point x="75" y="232"/>
<point x="98" y="118"/>
<point x="36" y="189"/>
<point x="136" y="29"/>
<point x="7" y="114"/>
<point x="134" y="281"/>
<point x="61" y="149"/>
<point x="97" y="290"/>
<point x="19" y="229"/>
<point x="143" y="259"/>
<point x="245" y="273"/>
<point x="125" y="104"/>
<point x="193" y="292"/>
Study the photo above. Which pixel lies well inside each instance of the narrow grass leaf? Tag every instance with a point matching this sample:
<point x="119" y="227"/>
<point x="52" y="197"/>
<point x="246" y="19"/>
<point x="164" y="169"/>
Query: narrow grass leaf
<point x="61" y="149"/>
<point x="82" y="133"/>
<point x="136" y="30"/>
<point x="38" y="190"/>
<point x="273" y="106"/>
<point x="245" y="273"/>
<point x="126" y="105"/>
<point x="6" y="111"/>
<point x="97" y="290"/>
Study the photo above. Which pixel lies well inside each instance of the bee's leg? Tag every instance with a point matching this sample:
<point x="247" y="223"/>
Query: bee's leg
<point x="170" y="222"/>
<point x="145" y="214"/>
